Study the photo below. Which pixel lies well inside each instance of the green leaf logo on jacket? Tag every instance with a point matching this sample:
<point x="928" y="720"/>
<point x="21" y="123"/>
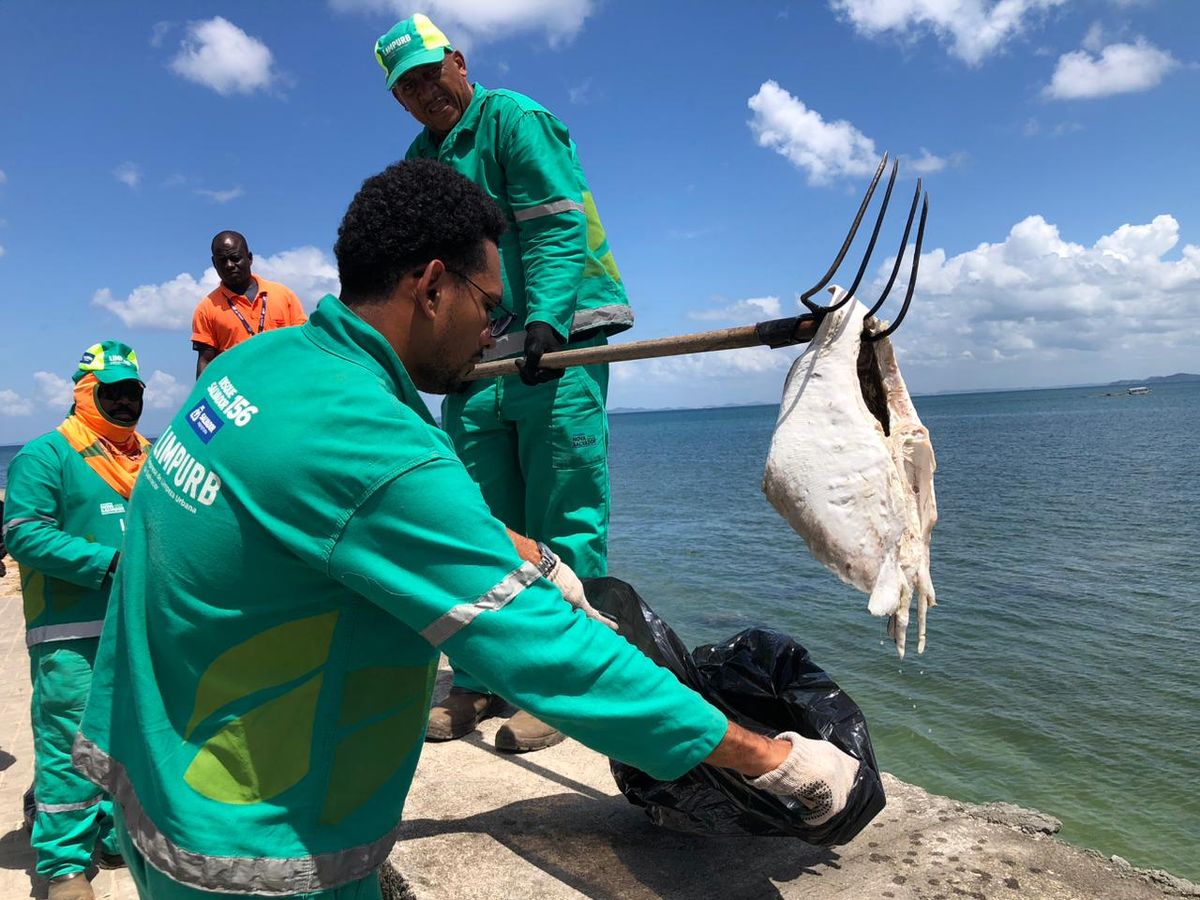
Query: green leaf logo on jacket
<point x="265" y="751"/>
<point x="383" y="716"/>
<point x="268" y="749"/>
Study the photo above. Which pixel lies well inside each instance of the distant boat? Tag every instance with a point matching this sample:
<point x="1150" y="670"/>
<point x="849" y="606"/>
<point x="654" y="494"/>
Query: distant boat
<point x="1138" y="391"/>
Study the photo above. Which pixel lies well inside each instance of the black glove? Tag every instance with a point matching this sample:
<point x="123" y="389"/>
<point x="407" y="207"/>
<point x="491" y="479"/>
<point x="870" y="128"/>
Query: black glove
<point x="539" y="338"/>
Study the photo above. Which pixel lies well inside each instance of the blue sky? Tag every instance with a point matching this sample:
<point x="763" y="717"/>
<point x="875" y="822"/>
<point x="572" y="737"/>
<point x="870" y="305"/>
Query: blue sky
<point x="726" y="150"/>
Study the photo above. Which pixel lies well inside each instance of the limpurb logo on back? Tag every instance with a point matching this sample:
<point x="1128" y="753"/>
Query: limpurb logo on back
<point x="205" y="421"/>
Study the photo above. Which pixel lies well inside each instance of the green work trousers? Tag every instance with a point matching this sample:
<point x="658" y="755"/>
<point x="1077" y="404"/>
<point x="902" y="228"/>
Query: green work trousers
<point x="540" y="456"/>
<point x="154" y="885"/>
<point x="73" y="817"/>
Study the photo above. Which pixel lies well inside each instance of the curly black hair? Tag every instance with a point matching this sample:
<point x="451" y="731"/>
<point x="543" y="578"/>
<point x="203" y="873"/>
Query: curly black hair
<point x="408" y="214"/>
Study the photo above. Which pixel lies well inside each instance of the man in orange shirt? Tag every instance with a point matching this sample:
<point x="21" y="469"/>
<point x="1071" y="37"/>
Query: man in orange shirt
<point x="243" y="305"/>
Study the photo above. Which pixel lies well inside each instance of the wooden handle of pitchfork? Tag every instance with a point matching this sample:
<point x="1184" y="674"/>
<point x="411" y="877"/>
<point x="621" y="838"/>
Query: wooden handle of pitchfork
<point x="775" y="333"/>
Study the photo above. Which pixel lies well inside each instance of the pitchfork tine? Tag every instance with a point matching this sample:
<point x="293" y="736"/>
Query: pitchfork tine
<point x="912" y="276"/>
<point x="887" y="289"/>
<point x="815" y="308"/>
<point x="862" y="267"/>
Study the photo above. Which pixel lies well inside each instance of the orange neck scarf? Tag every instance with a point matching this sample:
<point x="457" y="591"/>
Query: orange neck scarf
<point x="115" y="452"/>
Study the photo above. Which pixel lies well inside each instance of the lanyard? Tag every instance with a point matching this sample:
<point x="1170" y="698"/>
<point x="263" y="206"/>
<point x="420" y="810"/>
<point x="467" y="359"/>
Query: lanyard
<point x="262" y="316"/>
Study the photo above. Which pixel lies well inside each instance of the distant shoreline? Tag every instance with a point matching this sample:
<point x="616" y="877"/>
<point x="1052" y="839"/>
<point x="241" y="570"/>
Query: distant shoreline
<point x="1181" y="378"/>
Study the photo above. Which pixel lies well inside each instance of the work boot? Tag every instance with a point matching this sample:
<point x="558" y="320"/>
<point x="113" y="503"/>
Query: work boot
<point x="29" y="809"/>
<point x="71" y="887"/>
<point x="109" y="860"/>
<point x="458" y="714"/>
<point x="523" y="733"/>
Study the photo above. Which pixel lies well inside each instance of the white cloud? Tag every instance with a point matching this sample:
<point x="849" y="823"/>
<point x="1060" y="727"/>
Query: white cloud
<point x="583" y="93"/>
<point x="927" y="163"/>
<point x="1117" y="69"/>
<point x="826" y="150"/>
<point x="1094" y="39"/>
<point x="743" y="312"/>
<point x="1033" y="128"/>
<point x="13" y="404"/>
<point x="1036" y="298"/>
<point x="468" y="22"/>
<point x="722" y="366"/>
<point x="3" y="177"/>
<point x="169" y="304"/>
<point x="690" y="234"/>
<point x="974" y="29"/>
<point x="2" y="251"/>
<point x="159" y="32"/>
<point x="53" y="390"/>
<point x="164" y="391"/>
<point x="128" y="173"/>
<point x="218" y="54"/>
<point x="310" y="273"/>
<point x="221" y="196"/>
<point x="1032" y="308"/>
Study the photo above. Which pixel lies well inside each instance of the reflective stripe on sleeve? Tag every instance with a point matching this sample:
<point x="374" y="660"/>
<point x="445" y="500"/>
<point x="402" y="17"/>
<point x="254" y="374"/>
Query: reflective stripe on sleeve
<point x="261" y="876"/>
<point x="13" y="523"/>
<point x="71" y="631"/>
<point x="547" y="209"/>
<point x="68" y="807"/>
<point x="613" y="314"/>
<point x="513" y="343"/>
<point x="460" y="616"/>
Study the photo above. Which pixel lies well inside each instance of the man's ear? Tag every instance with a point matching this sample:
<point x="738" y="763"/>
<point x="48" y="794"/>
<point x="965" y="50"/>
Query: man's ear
<point x="430" y="287"/>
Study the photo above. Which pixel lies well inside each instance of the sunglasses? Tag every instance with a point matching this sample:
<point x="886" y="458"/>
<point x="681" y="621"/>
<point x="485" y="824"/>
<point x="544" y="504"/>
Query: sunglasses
<point x="408" y="86"/>
<point x="129" y="389"/>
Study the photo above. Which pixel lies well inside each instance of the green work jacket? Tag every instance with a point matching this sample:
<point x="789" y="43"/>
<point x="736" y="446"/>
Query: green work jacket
<point x="557" y="266"/>
<point x="310" y="542"/>
<point x="63" y="523"/>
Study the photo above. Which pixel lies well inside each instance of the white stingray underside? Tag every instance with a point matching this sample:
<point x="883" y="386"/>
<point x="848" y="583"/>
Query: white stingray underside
<point x="862" y="500"/>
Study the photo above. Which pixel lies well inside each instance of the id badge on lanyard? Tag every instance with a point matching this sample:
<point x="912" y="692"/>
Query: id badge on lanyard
<point x="262" y="316"/>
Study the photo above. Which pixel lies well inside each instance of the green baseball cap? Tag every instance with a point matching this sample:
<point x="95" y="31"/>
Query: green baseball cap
<point x="413" y="42"/>
<point x="109" y="361"/>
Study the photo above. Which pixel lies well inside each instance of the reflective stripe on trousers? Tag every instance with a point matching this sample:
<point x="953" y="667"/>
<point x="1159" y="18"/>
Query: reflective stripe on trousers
<point x="71" y="631"/>
<point x="72" y="817"/>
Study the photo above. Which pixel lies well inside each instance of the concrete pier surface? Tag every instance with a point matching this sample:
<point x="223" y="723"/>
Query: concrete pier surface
<point x="480" y="824"/>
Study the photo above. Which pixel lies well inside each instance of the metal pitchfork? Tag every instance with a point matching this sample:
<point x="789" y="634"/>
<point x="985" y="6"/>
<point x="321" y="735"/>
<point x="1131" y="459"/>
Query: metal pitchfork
<point x="774" y="333"/>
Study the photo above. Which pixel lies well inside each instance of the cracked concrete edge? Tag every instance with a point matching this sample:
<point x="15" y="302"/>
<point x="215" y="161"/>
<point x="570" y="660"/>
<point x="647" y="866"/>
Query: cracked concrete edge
<point x="1034" y="822"/>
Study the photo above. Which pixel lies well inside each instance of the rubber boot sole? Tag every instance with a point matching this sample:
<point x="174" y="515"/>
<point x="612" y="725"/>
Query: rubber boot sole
<point x="507" y="742"/>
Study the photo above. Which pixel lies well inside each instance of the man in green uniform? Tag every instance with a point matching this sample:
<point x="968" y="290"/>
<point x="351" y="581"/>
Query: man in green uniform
<point x="64" y="521"/>
<point x="296" y="559"/>
<point x="536" y="444"/>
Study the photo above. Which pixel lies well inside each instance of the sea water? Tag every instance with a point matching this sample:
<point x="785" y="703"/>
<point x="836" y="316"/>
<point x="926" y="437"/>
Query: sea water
<point x="1061" y="666"/>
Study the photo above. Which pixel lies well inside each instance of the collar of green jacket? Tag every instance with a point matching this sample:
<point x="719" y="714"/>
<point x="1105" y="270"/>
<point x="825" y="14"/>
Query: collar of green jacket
<point x="469" y="121"/>
<point x="335" y="328"/>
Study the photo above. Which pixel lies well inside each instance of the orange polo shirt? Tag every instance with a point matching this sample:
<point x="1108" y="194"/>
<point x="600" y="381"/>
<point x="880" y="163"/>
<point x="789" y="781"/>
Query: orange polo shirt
<point x="215" y="324"/>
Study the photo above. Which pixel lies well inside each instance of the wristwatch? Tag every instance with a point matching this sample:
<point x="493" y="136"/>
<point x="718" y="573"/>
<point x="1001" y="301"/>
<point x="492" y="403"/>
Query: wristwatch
<point x="549" y="560"/>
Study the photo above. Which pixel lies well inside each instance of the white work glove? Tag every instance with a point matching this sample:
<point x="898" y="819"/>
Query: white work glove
<point x="816" y="773"/>
<point x="564" y="578"/>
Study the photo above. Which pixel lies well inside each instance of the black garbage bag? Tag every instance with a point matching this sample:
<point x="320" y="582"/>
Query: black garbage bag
<point x="765" y="682"/>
